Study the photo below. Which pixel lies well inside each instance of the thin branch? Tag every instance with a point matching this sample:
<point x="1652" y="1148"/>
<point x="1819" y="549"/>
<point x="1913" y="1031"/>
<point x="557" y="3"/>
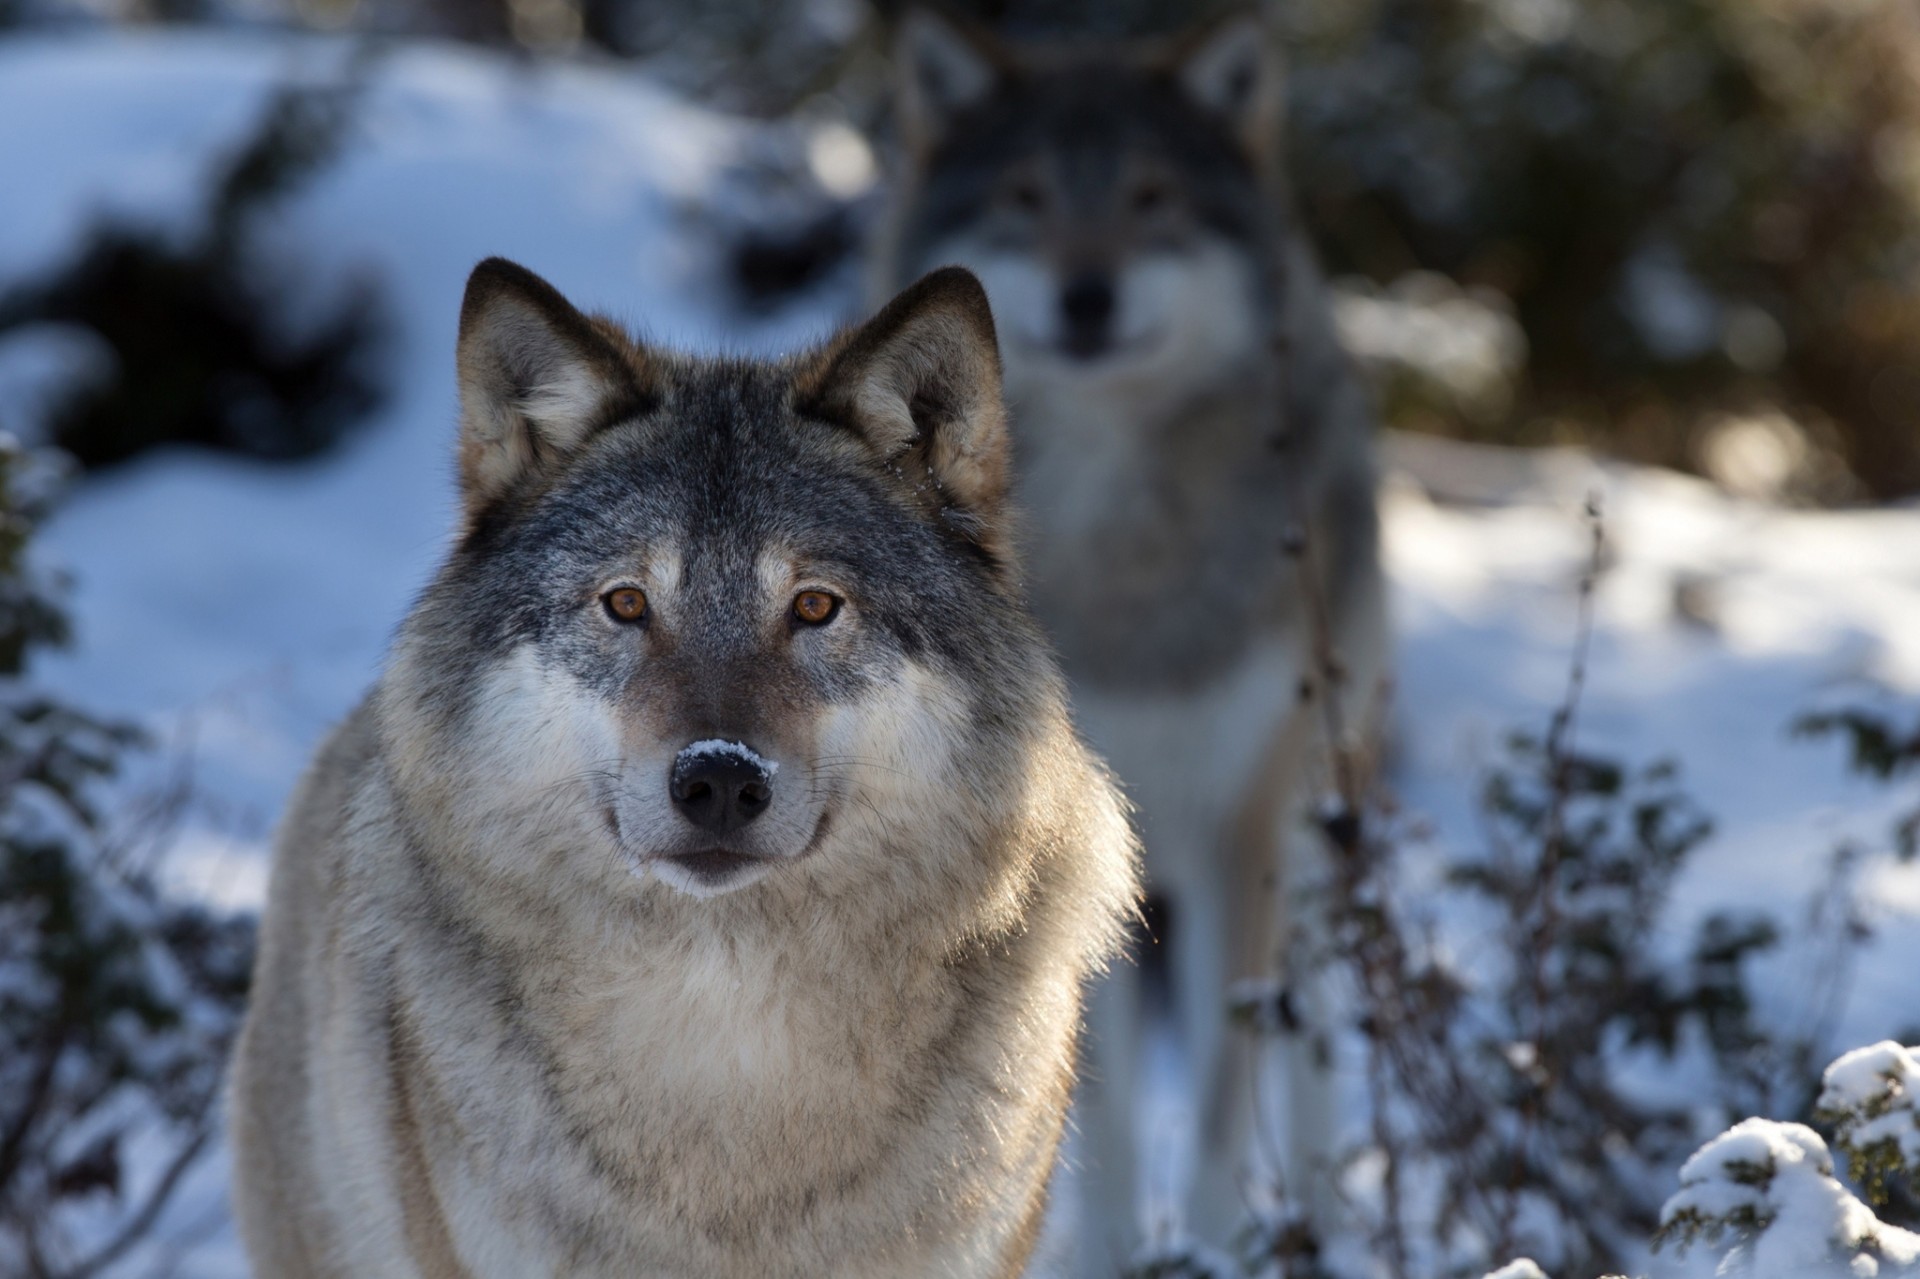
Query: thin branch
<point x="137" y="1226"/>
<point x="1560" y="764"/>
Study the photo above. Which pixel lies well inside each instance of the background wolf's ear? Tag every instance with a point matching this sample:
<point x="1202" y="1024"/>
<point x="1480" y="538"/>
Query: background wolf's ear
<point x="537" y="378"/>
<point x="941" y="68"/>
<point x="920" y="384"/>
<point x="1234" y="69"/>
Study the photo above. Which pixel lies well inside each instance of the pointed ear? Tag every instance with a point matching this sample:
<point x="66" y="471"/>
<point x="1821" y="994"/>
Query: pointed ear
<point x="537" y="379"/>
<point x="1234" y="69"/>
<point x="919" y="384"/>
<point x="941" y="68"/>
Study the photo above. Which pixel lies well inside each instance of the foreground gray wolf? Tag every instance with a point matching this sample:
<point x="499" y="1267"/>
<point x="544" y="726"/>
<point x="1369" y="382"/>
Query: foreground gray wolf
<point x="1183" y="413"/>
<point x="707" y="887"/>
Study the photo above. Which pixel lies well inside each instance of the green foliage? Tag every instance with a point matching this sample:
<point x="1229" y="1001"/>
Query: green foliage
<point x="1880" y="747"/>
<point x="1877" y="746"/>
<point x="1691" y="1226"/>
<point x="204" y="347"/>
<point x="1689" y="204"/>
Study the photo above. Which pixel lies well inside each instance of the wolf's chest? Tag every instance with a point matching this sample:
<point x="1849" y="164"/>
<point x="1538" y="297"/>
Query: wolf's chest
<point x="678" y="1116"/>
<point x="1154" y="555"/>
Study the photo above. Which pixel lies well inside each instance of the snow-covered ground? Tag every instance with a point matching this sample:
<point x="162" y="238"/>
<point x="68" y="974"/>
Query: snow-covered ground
<point x="241" y="607"/>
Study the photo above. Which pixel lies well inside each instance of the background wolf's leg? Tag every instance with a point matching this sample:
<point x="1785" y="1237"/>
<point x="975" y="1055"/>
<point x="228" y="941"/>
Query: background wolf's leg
<point x="1296" y="1083"/>
<point x="1195" y="1161"/>
<point x="1259" y="1115"/>
<point x="1104" y="1141"/>
<point x="1169" y="1097"/>
<point x="1299" y="1080"/>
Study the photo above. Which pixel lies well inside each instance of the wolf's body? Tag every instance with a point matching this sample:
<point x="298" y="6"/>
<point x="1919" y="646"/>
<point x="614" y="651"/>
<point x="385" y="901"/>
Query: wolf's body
<point x="1182" y="411"/>
<point x="741" y="935"/>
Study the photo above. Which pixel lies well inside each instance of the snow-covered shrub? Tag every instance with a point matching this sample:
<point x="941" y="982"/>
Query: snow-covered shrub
<point x="1765" y="1195"/>
<point x="1868" y="1098"/>
<point x="205" y="338"/>
<point x="1523" y="1268"/>
<point x="116" y="1003"/>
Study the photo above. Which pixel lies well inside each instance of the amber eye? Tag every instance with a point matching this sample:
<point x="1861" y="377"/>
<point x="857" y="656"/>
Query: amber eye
<point x="626" y="604"/>
<point x="815" y="608"/>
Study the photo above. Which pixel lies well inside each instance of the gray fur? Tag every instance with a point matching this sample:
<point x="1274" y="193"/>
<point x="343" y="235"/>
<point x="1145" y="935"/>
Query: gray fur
<point x="1162" y="476"/>
<point x="496" y="1032"/>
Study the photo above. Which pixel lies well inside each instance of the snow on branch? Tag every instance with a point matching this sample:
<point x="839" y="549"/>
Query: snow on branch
<point x="1868" y="1097"/>
<point x="1523" y="1268"/>
<point x="1768" y="1191"/>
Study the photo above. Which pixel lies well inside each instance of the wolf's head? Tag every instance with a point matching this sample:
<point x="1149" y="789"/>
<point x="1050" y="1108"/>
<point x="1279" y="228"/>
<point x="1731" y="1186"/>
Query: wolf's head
<point x="710" y="620"/>
<point x="1115" y="202"/>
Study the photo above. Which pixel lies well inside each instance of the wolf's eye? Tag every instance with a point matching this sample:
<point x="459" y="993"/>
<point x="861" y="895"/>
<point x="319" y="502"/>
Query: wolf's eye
<point x="1026" y="196"/>
<point x="815" y="608"/>
<point x="625" y="604"/>
<point x="1150" y="197"/>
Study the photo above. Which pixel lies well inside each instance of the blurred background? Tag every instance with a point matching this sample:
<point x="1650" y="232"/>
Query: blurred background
<point x="1682" y="231"/>
<point x="1664" y="254"/>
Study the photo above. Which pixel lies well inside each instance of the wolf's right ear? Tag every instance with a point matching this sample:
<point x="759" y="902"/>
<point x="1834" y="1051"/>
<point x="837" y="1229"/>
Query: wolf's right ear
<point x="919" y="384"/>
<point x="537" y="379"/>
<point x="1233" y="68"/>
<point x="941" y="68"/>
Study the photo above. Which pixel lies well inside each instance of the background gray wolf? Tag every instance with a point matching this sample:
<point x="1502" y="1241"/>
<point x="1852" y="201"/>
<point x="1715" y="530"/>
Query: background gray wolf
<point x="1182" y="411"/>
<point x="707" y="887"/>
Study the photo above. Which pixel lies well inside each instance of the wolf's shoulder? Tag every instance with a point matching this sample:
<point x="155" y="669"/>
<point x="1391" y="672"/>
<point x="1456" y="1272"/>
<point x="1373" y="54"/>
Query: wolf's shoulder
<point x="325" y="796"/>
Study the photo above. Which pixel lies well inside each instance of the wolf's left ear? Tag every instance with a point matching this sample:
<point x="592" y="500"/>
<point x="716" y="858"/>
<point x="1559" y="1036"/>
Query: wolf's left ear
<point x="941" y="67"/>
<point x="537" y="380"/>
<point x="919" y="383"/>
<point x="1235" y="70"/>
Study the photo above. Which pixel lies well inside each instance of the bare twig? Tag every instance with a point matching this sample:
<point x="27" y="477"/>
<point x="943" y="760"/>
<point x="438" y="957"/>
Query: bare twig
<point x="1560" y="763"/>
<point x="137" y="1226"/>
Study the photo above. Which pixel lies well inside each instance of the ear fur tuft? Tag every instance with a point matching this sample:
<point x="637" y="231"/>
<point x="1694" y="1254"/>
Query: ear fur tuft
<point x="537" y="379"/>
<point x="919" y="383"/>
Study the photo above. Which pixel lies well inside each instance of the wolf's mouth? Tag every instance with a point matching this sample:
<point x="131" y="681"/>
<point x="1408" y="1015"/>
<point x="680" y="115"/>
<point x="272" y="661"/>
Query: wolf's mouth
<point x="714" y="865"/>
<point x="1100" y="354"/>
<point x="708" y="871"/>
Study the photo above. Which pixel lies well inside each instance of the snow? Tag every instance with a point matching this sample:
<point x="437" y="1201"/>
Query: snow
<point x="732" y="750"/>
<point x="240" y="608"/>
<point x="1877" y="1076"/>
<point x="1524" y="1268"/>
<point x="1873" y="1087"/>
<point x="1718" y="622"/>
<point x="1780" y="1174"/>
<point x="1465" y="341"/>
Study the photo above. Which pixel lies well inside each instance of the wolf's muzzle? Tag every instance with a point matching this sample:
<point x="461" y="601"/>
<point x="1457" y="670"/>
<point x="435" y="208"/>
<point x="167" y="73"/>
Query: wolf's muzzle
<point x="720" y="786"/>
<point x="1086" y="314"/>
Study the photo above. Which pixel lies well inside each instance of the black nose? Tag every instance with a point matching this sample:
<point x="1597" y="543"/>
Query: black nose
<point x="1086" y="311"/>
<point x="720" y="786"/>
